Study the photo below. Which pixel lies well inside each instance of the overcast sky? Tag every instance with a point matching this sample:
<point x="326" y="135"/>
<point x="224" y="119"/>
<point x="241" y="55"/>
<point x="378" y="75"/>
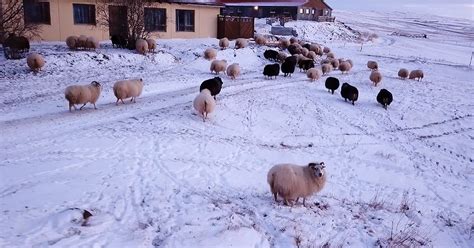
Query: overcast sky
<point x="455" y="8"/>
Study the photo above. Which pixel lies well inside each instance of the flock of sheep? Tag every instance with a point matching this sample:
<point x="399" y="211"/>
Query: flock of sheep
<point x="288" y="181"/>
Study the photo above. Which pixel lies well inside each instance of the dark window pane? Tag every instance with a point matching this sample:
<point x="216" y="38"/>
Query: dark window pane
<point x="36" y="12"/>
<point x="185" y="20"/>
<point x="155" y="19"/>
<point x="84" y="14"/>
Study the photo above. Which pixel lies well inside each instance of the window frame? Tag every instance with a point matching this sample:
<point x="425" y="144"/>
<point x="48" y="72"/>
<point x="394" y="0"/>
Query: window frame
<point x="92" y="15"/>
<point x="178" y="26"/>
<point x="155" y="28"/>
<point x="306" y="11"/>
<point x="42" y="9"/>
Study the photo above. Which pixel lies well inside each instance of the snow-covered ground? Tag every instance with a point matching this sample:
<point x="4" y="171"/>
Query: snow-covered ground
<point x="153" y="174"/>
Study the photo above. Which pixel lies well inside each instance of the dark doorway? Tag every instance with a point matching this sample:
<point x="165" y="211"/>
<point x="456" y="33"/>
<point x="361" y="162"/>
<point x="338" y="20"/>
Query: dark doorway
<point x="118" y="21"/>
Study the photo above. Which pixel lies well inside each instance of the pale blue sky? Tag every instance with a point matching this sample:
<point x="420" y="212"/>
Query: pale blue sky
<point x="455" y="8"/>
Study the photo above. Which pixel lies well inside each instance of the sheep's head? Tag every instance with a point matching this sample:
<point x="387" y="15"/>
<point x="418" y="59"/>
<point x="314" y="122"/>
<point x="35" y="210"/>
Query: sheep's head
<point x="219" y="80"/>
<point x="96" y="84"/>
<point x="317" y="169"/>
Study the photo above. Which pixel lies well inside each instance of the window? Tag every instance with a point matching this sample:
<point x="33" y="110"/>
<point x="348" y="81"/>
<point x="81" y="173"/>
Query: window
<point x="36" y="12"/>
<point x="301" y="11"/>
<point x="185" y="20"/>
<point x="307" y="11"/>
<point x="312" y="11"/>
<point x="84" y="13"/>
<point x="155" y="19"/>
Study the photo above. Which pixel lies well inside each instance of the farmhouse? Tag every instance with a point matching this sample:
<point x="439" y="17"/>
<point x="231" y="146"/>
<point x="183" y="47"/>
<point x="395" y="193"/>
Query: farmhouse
<point x="59" y="19"/>
<point x="314" y="10"/>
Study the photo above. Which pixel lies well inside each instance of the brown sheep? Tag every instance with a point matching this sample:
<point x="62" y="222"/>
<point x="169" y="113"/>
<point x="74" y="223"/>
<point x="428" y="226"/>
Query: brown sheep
<point x="345" y="67"/>
<point x="416" y="74"/>
<point x="334" y="63"/>
<point x="82" y="94"/>
<point x="293" y="181"/>
<point x="141" y="46"/>
<point x="293" y="40"/>
<point x="284" y="43"/>
<point x="92" y="43"/>
<point x="72" y="42"/>
<point x="326" y="68"/>
<point x="35" y="61"/>
<point x="375" y="77"/>
<point x="403" y="73"/>
<point x="240" y="43"/>
<point x="314" y="74"/>
<point x="372" y="65"/>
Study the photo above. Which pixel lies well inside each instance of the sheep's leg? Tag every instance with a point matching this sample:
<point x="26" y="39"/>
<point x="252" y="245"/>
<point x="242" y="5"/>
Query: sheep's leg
<point x="131" y="100"/>
<point x="94" y="106"/>
<point x="82" y="106"/>
<point x="122" y="101"/>
<point x="275" y="196"/>
<point x="116" y="102"/>
<point x="304" y="201"/>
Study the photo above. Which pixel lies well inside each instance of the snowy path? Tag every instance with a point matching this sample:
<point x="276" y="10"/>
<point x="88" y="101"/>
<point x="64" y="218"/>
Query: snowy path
<point x="153" y="174"/>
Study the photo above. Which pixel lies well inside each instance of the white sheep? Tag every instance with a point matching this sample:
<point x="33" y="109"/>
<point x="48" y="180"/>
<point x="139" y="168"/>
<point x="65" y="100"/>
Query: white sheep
<point x="92" y="43"/>
<point x="314" y="74"/>
<point x="233" y="70"/>
<point x="151" y="44"/>
<point x="345" y="67"/>
<point x="72" y="42"/>
<point x="141" y="46"/>
<point x="82" y="94"/>
<point x="218" y="66"/>
<point x="293" y="181"/>
<point x="326" y="68"/>
<point x="416" y="74"/>
<point x="240" y="43"/>
<point x="210" y="54"/>
<point x="260" y="40"/>
<point x="128" y="88"/>
<point x="204" y="103"/>
<point x="35" y="61"/>
<point x="372" y="65"/>
<point x="403" y="73"/>
<point x="375" y="77"/>
<point x="224" y="43"/>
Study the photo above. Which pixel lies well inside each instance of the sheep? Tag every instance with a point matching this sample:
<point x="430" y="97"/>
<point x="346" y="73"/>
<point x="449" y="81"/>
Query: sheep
<point x="210" y="54"/>
<point x="334" y="63"/>
<point x="403" y="73"/>
<point x="416" y="74"/>
<point x="282" y="56"/>
<point x="372" y="65"/>
<point x="240" y="43"/>
<point x="92" y="43"/>
<point x="305" y="52"/>
<point x="330" y="56"/>
<point x="345" y="67"/>
<point x="272" y="70"/>
<point x="293" y="181"/>
<point x="331" y="84"/>
<point x="293" y="49"/>
<point x="315" y="48"/>
<point x="233" y="70"/>
<point x="82" y="41"/>
<point x="314" y="74"/>
<point x="384" y="97"/>
<point x="375" y="77"/>
<point x="349" y="92"/>
<point x="141" y="46"/>
<point x="288" y="67"/>
<point x="218" y="65"/>
<point x="271" y="55"/>
<point x="214" y="85"/>
<point x="284" y="43"/>
<point x="293" y="40"/>
<point x="82" y="94"/>
<point x="311" y="55"/>
<point x="151" y="44"/>
<point x="128" y="88"/>
<point x="325" y="61"/>
<point x="260" y="40"/>
<point x="326" y="68"/>
<point x="350" y="62"/>
<point x="326" y="50"/>
<point x="72" y="42"/>
<point x="204" y="104"/>
<point x="306" y="64"/>
<point x="119" y="41"/>
<point x="35" y="61"/>
<point x="224" y="43"/>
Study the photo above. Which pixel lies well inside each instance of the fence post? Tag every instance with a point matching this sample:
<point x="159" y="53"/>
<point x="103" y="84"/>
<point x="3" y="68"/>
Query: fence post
<point x="470" y="62"/>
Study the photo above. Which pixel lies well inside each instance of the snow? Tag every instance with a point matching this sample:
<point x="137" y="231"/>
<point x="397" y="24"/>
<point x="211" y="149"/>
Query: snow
<point x="153" y="174"/>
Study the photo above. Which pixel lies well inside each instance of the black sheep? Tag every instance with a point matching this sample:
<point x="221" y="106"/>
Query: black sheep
<point x="385" y="98"/>
<point x="119" y="41"/>
<point x="214" y="85"/>
<point x="15" y="47"/>
<point x="271" y="55"/>
<point x="307" y="45"/>
<point x="293" y="49"/>
<point x="306" y="64"/>
<point x="271" y="70"/>
<point x="332" y="84"/>
<point x="349" y="92"/>
<point x="288" y="67"/>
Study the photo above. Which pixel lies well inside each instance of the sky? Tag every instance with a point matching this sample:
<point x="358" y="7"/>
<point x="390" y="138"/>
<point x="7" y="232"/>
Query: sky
<point x="452" y="8"/>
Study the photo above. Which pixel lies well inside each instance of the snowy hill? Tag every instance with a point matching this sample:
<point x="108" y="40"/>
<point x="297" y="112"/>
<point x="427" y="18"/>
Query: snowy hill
<point x="153" y="174"/>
